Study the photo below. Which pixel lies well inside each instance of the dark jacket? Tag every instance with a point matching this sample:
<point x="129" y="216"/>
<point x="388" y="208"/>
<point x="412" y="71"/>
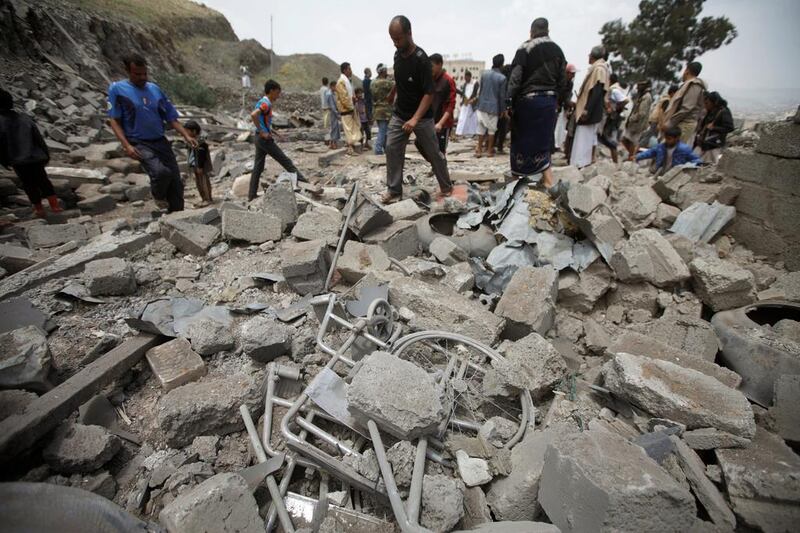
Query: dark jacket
<point x="595" y="105"/>
<point x="714" y="137"/>
<point x="539" y="65"/>
<point x="21" y="143"/>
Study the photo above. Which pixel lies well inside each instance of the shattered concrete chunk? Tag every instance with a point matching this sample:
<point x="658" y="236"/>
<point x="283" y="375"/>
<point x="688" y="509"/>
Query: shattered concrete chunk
<point x="581" y="291"/>
<point x="265" y="338"/>
<point x="174" y="363"/>
<point x="358" y="259"/>
<point x="401" y="455"/>
<point x="398" y="395"/>
<point x="585" y="198"/>
<point x="447" y="252"/>
<point x="637" y="207"/>
<point x="781" y="139"/>
<point x="206" y="408"/>
<point x="667" y="390"/>
<point x="649" y="257"/>
<point x="319" y="224"/>
<point x="399" y="239"/>
<point x="528" y="303"/>
<point x="250" y="226"/>
<point x="671" y="182"/>
<point x="442" y="502"/>
<point x="785" y="407"/>
<point x="188" y="237"/>
<point x="14" y="401"/>
<point x="97" y="204"/>
<point x="598" y="481"/>
<point x="304" y="265"/>
<point x="25" y="359"/>
<point x="531" y="363"/>
<point x="712" y="438"/>
<point x="460" y="277"/>
<point x="49" y="235"/>
<point x="76" y="448"/>
<point x="473" y="471"/>
<point x="368" y="216"/>
<point x="722" y="284"/>
<point x="405" y="210"/>
<point x="223" y="503"/>
<point x="694" y="336"/>
<point x="476" y="511"/>
<point x="110" y="277"/>
<point x="280" y="201"/>
<point x="209" y="337"/>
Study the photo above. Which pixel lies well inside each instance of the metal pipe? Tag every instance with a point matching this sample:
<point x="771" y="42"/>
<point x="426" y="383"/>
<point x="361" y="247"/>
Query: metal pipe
<point x="327" y="437"/>
<point x="391" y="487"/>
<point x="400" y="266"/>
<point x="291" y="462"/>
<point x="415" y="492"/>
<point x="352" y="200"/>
<point x="321" y="509"/>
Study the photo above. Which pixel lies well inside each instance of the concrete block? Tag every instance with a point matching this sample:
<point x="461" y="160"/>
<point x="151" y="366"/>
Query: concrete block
<point x="98" y="204"/>
<point x="188" y="237"/>
<point x="399" y="239"/>
<point x="405" y="210"/>
<point x="359" y="259"/>
<point x="784" y="408"/>
<point x="78" y="176"/>
<point x="447" y="252"/>
<point x="280" y="201"/>
<point x="174" y="363"/>
<point x="110" y="277"/>
<point x="265" y="339"/>
<point x="528" y="303"/>
<point x="636" y="207"/>
<point x="647" y="256"/>
<point x="319" y="224"/>
<point x="250" y="226"/>
<point x="442" y="502"/>
<point x="305" y="266"/>
<point x="531" y="363"/>
<point x="367" y="216"/>
<point x="721" y="284"/>
<point x="48" y="235"/>
<point x="25" y="359"/>
<point x="581" y="291"/>
<point x="76" y="448"/>
<point x="585" y="198"/>
<point x="209" y="337"/>
<point x="473" y="471"/>
<point x="712" y="438"/>
<point x="780" y="139"/>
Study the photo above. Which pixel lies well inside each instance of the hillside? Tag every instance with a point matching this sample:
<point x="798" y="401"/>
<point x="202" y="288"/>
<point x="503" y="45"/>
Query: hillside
<point x="89" y="38"/>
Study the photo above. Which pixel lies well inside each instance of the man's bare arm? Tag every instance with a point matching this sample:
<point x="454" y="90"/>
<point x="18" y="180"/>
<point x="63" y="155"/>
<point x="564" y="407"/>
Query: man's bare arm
<point x="185" y="134"/>
<point x="116" y="127"/>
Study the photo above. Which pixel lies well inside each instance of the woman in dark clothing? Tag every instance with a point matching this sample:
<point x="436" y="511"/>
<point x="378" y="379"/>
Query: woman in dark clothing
<point x="23" y="148"/>
<point x="714" y="128"/>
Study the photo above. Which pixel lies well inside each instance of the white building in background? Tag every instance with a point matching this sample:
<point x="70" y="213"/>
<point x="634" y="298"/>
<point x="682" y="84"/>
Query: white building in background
<point x="457" y="65"/>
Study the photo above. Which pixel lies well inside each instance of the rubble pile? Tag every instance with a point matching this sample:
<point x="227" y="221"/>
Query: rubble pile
<point x="508" y="359"/>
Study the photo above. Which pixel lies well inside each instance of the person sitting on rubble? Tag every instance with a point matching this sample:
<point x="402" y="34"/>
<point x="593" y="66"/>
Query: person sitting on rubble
<point x="670" y="153"/>
<point x="265" y="142"/>
<point x="199" y="160"/>
<point x="137" y="111"/>
<point x="23" y="149"/>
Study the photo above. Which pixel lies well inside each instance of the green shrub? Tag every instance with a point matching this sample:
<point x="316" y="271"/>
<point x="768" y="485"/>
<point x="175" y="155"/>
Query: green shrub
<point x="187" y="90"/>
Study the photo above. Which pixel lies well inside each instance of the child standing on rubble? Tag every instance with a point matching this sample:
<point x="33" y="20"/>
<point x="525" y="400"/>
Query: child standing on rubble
<point x="200" y="163"/>
<point x="23" y="148"/>
<point x="361" y="108"/>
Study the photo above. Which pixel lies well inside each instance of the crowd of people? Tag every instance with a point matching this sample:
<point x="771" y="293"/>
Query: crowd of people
<point x="532" y="98"/>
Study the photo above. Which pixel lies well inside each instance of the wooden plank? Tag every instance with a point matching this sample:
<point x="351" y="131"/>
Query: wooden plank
<point x="19" y="432"/>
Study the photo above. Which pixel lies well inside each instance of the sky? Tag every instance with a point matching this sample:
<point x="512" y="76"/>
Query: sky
<point x="764" y="55"/>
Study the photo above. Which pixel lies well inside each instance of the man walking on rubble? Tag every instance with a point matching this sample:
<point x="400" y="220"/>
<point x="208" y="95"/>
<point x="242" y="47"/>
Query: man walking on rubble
<point x="412" y="113"/>
<point x="491" y="104"/>
<point x="137" y="111"/>
<point x="687" y="105"/>
<point x="444" y="101"/>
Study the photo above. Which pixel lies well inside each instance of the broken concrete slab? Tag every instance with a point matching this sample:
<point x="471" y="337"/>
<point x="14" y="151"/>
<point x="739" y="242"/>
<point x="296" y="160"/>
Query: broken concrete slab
<point x="78" y="176"/>
<point x="110" y="277"/>
<point x="708" y="494"/>
<point x="279" y="201"/>
<point x="784" y="407"/>
<point x="401" y="456"/>
<point x="188" y="237"/>
<point x="97" y="204"/>
<point x="447" y="252"/>
<point x="585" y="198"/>
<point x="49" y="235"/>
<point x="358" y="259"/>
<point x="209" y="337"/>
<point x="473" y="471"/>
<point x="14" y="401"/>
<point x="671" y="182"/>
<point x="205" y="215"/>
<point x="442" y="502"/>
<point x="398" y="395"/>
<point x="250" y="226"/>
<point x="76" y="448"/>
<point x="405" y="210"/>
<point x="515" y="497"/>
<point x="15" y="258"/>
<point x="598" y="481"/>
<point x="712" y="438"/>
<point x="265" y="339"/>
<point x="581" y="291"/>
<point x="368" y="215"/>
<point x="693" y="335"/>
<point x="305" y="266"/>
<point x="399" y="239"/>
<point x="667" y="390"/>
<point x="319" y="224"/>
<point x="439" y="307"/>
<point x="25" y="359"/>
<point x="528" y="303"/>
<point x="603" y="229"/>
<point x="460" y="278"/>
<point x="722" y="284"/>
<point x="781" y="139"/>
<point x="647" y="256"/>
<point x="638" y="344"/>
<point x="174" y="363"/>
<point x="531" y="363"/>
<point x="476" y="511"/>
<point x="206" y="408"/>
<point x="223" y="503"/>
<point x="701" y="222"/>
<point x="637" y="207"/>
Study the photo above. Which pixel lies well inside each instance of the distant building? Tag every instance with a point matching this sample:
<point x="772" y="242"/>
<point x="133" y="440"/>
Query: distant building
<point x="457" y="66"/>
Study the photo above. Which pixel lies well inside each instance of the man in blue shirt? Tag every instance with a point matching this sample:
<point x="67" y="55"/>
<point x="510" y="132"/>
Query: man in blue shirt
<point x="265" y="143"/>
<point x="491" y="104"/>
<point x="137" y="111"/>
<point x="671" y="153"/>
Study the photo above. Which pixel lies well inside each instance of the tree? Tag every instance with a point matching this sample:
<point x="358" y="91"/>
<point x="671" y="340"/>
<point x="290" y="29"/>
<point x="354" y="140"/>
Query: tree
<point x="663" y="36"/>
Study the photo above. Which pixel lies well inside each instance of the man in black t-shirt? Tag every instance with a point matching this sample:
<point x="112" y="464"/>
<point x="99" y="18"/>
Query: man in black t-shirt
<point x="412" y="113"/>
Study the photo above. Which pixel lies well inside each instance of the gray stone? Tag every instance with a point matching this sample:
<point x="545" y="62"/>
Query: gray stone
<point x="447" y="252"/>
<point x="305" y="266"/>
<point x="528" y="303"/>
<point x="598" y="481"/>
<point x="442" y="502"/>
<point x="209" y="337"/>
<point x="787" y="328"/>
<point x="441" y="308"/>
<point x="25" y="359"/>
<point x="14" y="258"/>
<point x="205" y="448"/>
<point x="48" y="235"/>
<point x="666" y="215"/>
<point x="265" y="339"/>
<point x="76" y="448"/>
<point x="358" y="259"/>
<point x="701" y="222"/>
<point x="367" y="216"/>
<point x="398" y="395"/>
<point x="637" y="207"/>
<point x="515" y="497"/>
<point x="693" y="335"/>
<point x="14" y="402"/>
<point x="174" y="363"/>
<point x="585" y="198"/>
<point x="476" y="511"/>
<point x="460" y="277"/>
<point x="319" y="224"/>
<point x="721" y="284"/>
<point x="98" y="204"/>
<point x="633" y="296"/>
<point x="531" y="363"/>
<point x="110" y="277"/>
<point x="473" y="471"/>
<point x="704" y="489"/>
<point x="279" y="201"/>
<point x="712" y="438"/>
<point x="647" y="256"/>
<point x="101" y="483"/>
<point x="780" y="139"/>
<point x="205" y="215"/>
<point x="399" y="239"/>
<point x="784" y="407"/>
<point x="250" y="226"/>
<point x="604" y="229"/>
<point x="138" y="193"/>
<point x="788" y="284"/>
<point x="78" y="176"/>
<point x="223" y="503"/>
<point x="401" y="455"/>
<point x="188" y="237"/>
<point x="671" y="182"/>
<point x="581" y="291"/>
<point x="405" y="210"/>
<point x="207" y="408"/>
<point x="763" y="483"/>
<point x="667" y="390"/>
